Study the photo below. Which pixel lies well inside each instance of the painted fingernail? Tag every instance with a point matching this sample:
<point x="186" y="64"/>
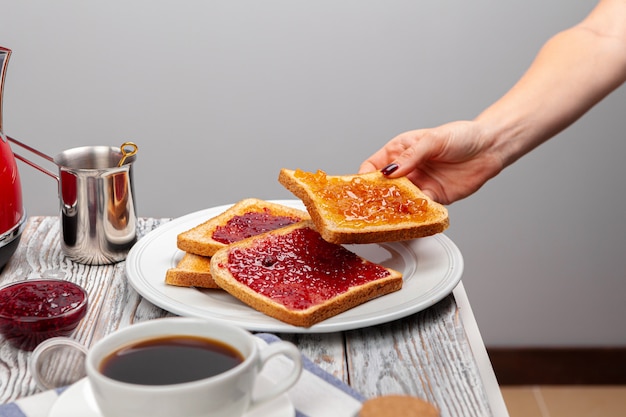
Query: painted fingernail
<point x="389" y="168"/>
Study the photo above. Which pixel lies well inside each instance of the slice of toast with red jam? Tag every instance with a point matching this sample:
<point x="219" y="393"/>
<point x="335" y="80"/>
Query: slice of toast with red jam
<point x="365" y="208"/>
<point x="191" y="271"/>
<point x="295" y="276"/>
<point x="244" y="219"/>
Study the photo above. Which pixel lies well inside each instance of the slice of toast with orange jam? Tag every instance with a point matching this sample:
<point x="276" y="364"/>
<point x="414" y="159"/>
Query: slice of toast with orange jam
<point x="365" y="208"/>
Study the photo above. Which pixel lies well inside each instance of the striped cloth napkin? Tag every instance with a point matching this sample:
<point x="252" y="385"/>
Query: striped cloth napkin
<point x="339" y="399"/>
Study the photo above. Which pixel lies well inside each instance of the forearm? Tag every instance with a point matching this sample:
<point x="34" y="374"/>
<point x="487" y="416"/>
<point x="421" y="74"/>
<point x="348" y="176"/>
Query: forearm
<point x="573" y="71"/>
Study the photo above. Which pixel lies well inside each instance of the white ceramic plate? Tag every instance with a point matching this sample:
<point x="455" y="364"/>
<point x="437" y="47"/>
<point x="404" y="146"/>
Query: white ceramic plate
<point x="431" y="267"/>
<point x="78" y="401"/>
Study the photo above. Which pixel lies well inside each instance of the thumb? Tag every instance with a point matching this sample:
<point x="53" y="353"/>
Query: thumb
<point x="366" y="167"/>
<point x="409" y="161"/>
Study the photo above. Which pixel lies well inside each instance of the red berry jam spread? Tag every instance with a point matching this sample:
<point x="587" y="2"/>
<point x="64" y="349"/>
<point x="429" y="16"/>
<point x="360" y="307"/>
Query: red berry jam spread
<point x="300" y="269"/>
<point x="31" y="311"/>
<point x="359" y="202"/>
<point x="251" y="224"/>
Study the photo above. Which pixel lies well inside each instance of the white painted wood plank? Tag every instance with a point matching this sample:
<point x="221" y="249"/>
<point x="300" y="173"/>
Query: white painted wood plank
<point x="327" y="350"/>
<point x="425" y="355"/>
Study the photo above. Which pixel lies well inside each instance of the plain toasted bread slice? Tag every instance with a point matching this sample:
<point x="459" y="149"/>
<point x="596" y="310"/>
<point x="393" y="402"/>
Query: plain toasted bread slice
<point x="365" y="208"/>
<point x="202" y="239"/>
<point x="191" y="271"/>
<point x="295" y="276"/>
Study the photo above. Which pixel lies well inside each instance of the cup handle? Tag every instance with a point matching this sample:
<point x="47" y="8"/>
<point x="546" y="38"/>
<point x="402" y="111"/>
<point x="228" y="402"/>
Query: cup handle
<point x="40" y="356"/>
<point x="278" y="348"/>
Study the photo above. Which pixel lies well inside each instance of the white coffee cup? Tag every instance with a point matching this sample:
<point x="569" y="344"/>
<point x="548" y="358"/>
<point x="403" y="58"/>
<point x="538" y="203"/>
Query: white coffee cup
<point x="228" y="394"/>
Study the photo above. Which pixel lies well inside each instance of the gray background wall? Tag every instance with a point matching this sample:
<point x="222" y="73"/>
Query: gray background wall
<point x="219" y="95"/>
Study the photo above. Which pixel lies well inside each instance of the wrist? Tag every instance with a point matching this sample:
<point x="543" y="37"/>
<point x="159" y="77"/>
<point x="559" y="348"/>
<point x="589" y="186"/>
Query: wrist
<point x="508" y="136"/>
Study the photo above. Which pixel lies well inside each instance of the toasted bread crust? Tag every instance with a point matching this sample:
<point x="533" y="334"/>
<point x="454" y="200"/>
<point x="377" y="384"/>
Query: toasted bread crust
<point x="199" y="241"/>
<point x="191" y="271"/>
<point x="305" y="318"/>
<point x="436" y="220"/>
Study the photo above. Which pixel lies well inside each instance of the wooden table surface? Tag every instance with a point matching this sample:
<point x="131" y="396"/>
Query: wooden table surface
<point x="435" y="354"/>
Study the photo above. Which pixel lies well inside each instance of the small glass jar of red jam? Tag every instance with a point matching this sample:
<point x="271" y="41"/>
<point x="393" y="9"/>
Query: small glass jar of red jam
<point x="34" y="310"/>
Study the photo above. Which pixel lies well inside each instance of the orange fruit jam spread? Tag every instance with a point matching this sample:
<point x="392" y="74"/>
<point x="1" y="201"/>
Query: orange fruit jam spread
<point x="250" y="224"/>
<point x="359" y="202"/>
<point x="300" y="269"/>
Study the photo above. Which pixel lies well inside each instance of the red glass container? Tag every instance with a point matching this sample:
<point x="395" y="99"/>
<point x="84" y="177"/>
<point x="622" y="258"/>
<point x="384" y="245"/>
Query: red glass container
<point x="12" y="214"/>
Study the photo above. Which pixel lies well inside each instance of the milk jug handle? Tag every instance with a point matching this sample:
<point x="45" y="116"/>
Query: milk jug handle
<point x="36" y="152"/>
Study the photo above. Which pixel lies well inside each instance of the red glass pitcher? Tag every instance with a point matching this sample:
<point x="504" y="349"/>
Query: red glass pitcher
<point x="12" y="214"/>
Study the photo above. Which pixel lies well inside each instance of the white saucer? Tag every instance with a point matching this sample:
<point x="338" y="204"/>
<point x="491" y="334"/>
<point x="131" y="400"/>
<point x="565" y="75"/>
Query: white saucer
<point x="78" y="401"/>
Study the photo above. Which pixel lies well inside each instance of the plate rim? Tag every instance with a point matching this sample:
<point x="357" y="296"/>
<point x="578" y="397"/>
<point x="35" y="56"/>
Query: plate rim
<point x="444" y="287"/>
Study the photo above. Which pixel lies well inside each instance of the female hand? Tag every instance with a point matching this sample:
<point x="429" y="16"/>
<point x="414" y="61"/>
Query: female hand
<point x="447" y="163"/>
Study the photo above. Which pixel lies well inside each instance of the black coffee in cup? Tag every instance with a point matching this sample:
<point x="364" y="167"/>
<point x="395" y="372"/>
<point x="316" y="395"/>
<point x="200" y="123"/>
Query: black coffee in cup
<point x="170" y="360"/>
